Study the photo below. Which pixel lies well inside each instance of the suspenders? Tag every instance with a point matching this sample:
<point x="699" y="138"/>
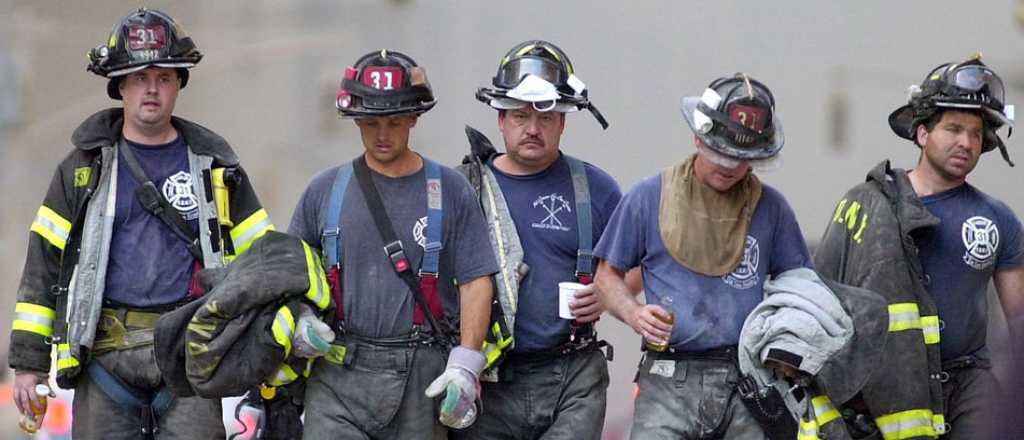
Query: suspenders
<point x="423" y="285"/>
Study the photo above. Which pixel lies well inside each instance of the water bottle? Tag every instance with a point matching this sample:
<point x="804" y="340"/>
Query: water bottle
<point x="32" y="421"/>
<point x="665" y="303"/>
<point x="454" y="404"/>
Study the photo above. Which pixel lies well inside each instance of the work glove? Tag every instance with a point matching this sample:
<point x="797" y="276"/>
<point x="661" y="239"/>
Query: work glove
<point x="312" y="337"/>
<point x="461" y="383"/>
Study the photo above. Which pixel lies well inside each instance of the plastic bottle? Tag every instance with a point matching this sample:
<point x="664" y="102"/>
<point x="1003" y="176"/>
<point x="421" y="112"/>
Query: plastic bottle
<point x="249" y="421"/>
<point x="31" y="422"/>
<point x="665" y="303"/>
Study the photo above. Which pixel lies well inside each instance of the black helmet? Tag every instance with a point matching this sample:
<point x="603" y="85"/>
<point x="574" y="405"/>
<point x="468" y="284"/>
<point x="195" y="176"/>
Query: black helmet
<point x="552" y="83"/>
<point x="144" y="38"/>
<point x="736" y="117"/>
<point x="967" y="86"/>
<point x="384" y="83"/>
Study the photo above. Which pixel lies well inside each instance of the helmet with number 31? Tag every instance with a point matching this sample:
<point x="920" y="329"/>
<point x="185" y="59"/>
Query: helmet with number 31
<point x="143" y="38"/>
<point x="384" y="83"/>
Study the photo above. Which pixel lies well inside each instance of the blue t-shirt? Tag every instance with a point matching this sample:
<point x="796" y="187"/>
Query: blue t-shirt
<point x="377" y="303"/>
<point x="149" y="265"/>
<point x="978" y="236"/>
<point x="543" y="208"/>
<point x="709" y="310"/>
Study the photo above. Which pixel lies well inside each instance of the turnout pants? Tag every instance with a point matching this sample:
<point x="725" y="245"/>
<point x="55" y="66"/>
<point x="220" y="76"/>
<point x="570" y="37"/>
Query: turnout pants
<point x="376" y="392"/>
<point x="691" y="396"/>
<point x="557" y="397"/>
<point x="969" y="390"/>
<point x="97" y="416"/>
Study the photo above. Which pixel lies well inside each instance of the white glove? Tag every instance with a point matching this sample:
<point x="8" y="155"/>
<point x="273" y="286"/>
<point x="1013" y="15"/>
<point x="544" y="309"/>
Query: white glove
<point x="312" y="337"/>
<point x="460" y="381"/>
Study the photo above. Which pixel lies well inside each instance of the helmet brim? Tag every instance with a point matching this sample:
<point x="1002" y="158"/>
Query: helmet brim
<point x="362" y="112"/>
<point x="722" y="146"/>
<point x="901" y="121"/>
<point x="498" y="100"/>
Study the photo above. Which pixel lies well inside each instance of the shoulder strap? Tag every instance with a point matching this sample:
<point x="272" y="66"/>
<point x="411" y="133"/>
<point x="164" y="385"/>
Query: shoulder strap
<point x="331" y="236"/>
<point x="435" y="216"/>
<point x="584" y="223"/>
<point x="393" y="246"/>
<point x="155" y="204"/>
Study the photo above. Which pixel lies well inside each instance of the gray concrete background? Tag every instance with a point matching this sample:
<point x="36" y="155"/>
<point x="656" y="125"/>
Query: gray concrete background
<point x="271" y="69"/>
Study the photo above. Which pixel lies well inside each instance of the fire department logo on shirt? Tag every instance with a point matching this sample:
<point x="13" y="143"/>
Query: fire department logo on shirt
<point x="745" y="276"/>
<point x="552" y="205"/>
<point x="419" y="232"/>
<point x="981" y="238"/>
<point x="177" y="190"/>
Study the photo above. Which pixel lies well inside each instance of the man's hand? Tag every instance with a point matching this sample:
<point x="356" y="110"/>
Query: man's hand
<point x="462" y="386"/>
<point x="585" y="307"/>
<point x="644" y="319"/>
<point x="25" y="390"/>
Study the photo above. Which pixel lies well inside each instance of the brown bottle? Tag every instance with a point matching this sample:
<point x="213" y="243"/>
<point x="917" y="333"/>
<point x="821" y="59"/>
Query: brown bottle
<point x="666" y="304"/>
<point x="32" y="421"/>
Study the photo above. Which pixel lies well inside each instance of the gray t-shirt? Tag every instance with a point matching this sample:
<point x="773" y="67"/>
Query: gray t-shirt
<point x="377" y="302"/>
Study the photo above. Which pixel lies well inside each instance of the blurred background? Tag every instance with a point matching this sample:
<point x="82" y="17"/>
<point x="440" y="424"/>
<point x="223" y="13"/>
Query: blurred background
<point x="272" y="68"/>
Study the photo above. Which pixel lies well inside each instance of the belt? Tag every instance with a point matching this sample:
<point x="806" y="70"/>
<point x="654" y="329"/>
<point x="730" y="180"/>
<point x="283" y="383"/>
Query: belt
<point x="726" y="353"/>
<point x="565" y="349"/>
<point x="122" y="329"/>
<point x="962" y="362"/>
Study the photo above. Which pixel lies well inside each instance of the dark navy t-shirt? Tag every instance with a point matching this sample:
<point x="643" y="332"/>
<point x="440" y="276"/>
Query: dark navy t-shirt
<point x="709" y="310"/>
<point x="149" y="265"/>
<point x="978" y="236"/>
<point x="543" y="208"/>
<point x="378" y="304"/>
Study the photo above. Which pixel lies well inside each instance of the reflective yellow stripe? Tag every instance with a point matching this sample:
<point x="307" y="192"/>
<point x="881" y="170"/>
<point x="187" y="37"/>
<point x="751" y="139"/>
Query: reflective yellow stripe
<point x="906" y="424"/>
<point x="249" y="230"/>
<point x="51" y="226"/>
<point x="930" y="327"/>
<point x="336" y="354"/>
<point x="34" y="318"/>
<point x="906" y="316"/>
<point x="824" y="410"/>
<point x="318" y="287"/>
<point x="284" y="375"/>
<point x="808" y="430"/>
<point x="838" y="216"/>
<point x="64" y="357"/>
<point x="939" y="422"/>
<point x="283" y="328"/>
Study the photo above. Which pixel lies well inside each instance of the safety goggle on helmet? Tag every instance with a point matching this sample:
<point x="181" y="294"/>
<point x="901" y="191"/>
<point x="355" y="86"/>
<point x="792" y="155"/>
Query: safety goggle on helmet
<point x="735" y="117"/>
<point x="143" y="38"/>
<point x="384" y="83"/>
<point x="968" y="86"/>
<point x="539" y="74"/>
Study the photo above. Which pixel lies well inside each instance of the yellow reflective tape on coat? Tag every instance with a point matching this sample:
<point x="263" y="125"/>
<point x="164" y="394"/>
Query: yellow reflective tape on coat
<point x="51" y="226"/>
<point x="930" y="326"/>
<point x="906" y="424"/>
<point x="824" y="410"/>
<point x="904" y="316"/>
<point x="284" y="375"/>
<point x="939" y="422"/>
<point x="319" y="290"/>
<point x="64" y="357"/>
<point x="283" y="328"/>
<point x="808" y="430"/>
<point x="34" y="318"/>
<point x="249" y="230"/>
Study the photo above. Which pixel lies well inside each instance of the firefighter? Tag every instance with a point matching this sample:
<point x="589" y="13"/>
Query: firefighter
<point x="550" y="208"/>
<point x="930" y="242"/>
<point x="137" y="174"/>
<point x="707" y="234"/>
<point x="405" y="249"/>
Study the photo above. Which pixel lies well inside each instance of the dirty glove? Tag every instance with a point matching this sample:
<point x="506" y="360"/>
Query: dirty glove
<point x="312" y="337"/>
<point x="460" y="381"/>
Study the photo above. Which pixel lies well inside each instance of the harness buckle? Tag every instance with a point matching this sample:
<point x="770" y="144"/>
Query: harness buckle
<point x="396" y="253"/>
